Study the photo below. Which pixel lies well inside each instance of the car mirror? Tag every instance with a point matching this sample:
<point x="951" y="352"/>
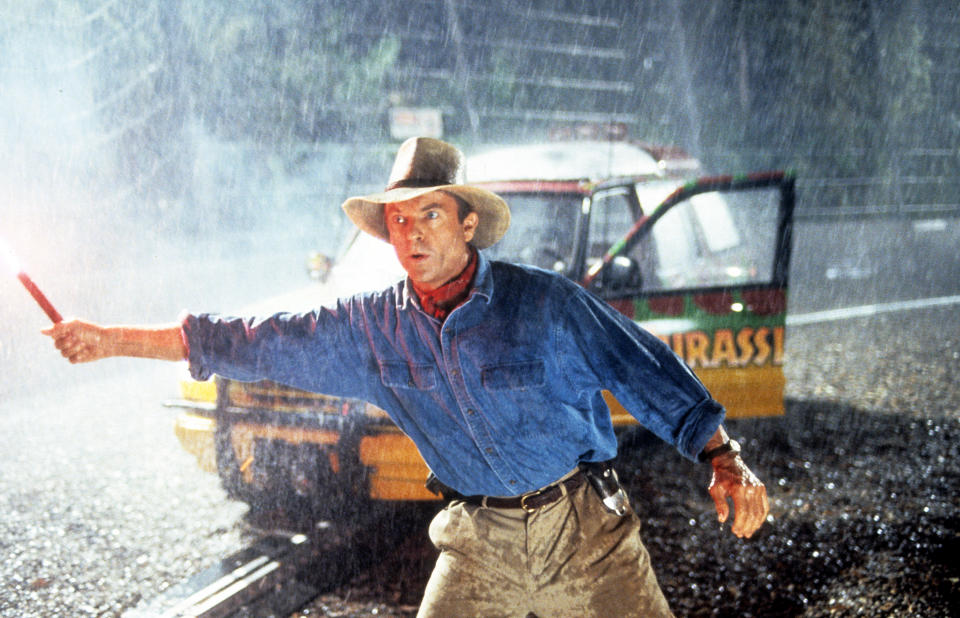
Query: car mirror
<point x="622" y="273"/>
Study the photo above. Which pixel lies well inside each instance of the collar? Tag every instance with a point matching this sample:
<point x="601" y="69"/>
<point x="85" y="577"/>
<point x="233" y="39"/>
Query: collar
<point x="444" y="299"/>
<point x="482" y="286"/>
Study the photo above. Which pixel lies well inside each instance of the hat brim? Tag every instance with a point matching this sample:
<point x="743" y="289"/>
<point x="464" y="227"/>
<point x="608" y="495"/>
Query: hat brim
<point x="492" y="211"/>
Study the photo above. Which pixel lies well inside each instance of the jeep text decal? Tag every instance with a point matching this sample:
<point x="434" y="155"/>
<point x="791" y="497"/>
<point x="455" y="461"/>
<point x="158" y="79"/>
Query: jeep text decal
<point x="725" y="347"/>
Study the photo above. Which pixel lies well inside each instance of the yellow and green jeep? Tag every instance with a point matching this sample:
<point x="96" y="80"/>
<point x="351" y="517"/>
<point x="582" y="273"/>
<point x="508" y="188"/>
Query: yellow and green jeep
<point x="700" y="262"/>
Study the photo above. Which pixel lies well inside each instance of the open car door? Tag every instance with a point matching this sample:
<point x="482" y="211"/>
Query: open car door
<point x="705" y="268"/>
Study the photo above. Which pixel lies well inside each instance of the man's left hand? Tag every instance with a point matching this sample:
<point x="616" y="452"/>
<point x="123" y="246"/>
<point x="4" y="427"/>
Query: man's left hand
<point x="733" y="479"/>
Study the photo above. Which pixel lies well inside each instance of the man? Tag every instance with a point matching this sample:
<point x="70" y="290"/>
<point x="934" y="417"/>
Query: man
<point x="495" y="371"/>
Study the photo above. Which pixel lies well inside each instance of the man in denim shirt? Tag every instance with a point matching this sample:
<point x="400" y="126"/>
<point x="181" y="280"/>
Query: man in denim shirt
<point x="495" y="371"/>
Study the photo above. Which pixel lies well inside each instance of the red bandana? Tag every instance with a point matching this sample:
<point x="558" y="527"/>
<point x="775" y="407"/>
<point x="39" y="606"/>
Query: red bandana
<point x="441" y="301"/>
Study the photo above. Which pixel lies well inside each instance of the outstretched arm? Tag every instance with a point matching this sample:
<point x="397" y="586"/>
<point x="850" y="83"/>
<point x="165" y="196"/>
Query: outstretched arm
<point x="733" y="479"/>
<point x="82" y="342"/>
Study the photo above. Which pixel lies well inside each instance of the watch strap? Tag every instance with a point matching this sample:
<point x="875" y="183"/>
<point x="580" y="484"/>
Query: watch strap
<point x="730" y="446"/>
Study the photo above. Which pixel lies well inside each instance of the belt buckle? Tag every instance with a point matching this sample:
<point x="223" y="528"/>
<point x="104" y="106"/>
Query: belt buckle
<point x="523" y="501"/>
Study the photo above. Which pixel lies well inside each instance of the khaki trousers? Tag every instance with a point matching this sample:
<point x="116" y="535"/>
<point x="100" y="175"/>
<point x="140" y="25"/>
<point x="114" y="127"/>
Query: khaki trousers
<point x="569" y="558"/>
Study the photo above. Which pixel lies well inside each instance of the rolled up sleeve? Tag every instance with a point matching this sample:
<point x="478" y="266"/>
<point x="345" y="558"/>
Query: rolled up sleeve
<point x="190" y="330"/>
<point x="643" y="373"/>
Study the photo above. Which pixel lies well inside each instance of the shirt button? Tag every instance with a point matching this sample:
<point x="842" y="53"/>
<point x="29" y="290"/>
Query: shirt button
<point x="513" y="481"/>
<point x="471" y="412"/>
<point x="489" y="450"/>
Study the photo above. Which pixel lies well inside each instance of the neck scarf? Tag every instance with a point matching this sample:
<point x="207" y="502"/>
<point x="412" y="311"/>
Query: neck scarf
<point x="441" y="301"/>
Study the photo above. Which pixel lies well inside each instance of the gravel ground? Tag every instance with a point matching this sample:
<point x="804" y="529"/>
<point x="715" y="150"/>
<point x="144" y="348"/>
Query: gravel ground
<point x="863" y="479"/>
<point x="100" y="508"/>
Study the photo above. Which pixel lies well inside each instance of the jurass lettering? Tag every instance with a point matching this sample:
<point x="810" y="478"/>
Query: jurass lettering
<point x="724" y="347"/>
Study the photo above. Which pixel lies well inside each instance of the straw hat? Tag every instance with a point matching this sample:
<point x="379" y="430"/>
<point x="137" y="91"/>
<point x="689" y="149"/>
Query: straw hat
<point x="424" y="164"/>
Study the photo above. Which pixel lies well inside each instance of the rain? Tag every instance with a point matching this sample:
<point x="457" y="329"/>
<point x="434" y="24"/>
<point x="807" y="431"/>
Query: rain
<point x="162" y="156"/>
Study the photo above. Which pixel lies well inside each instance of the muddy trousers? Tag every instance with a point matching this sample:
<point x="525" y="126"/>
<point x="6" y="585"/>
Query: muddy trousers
<point x="569" y="558"/>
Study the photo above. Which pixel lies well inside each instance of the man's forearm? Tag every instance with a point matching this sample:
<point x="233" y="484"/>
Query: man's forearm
<point x="82" y="342"/>
<point x="160" y="342"/>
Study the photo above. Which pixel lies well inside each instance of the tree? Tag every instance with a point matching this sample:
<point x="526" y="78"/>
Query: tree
<point x="286" y="70"/>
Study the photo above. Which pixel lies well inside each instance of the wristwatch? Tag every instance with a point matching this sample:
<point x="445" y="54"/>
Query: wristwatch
<point x="730" y="446"/>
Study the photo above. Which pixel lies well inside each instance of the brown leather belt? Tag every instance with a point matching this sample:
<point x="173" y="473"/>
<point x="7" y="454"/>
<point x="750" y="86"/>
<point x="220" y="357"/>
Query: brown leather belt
<point x="531" y="501"/>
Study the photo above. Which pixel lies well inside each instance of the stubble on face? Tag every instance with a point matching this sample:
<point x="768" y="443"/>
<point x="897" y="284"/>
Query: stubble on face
<point x="429" y="237"/>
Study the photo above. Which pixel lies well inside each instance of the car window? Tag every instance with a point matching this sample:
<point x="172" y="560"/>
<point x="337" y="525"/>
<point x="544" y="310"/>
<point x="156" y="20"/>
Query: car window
<point x="652" y="194"/>
<point x="715" y="219"/>
<point x="611" y="216"/>
<point x="542" y="229"/>
<point x="673" y="252"/>
<point x="712" y="240"/>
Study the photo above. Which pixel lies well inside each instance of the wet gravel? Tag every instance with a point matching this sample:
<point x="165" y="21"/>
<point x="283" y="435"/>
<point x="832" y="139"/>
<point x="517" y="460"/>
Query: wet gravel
<point x="100" y="509"/>
<point x="863" y="481"/>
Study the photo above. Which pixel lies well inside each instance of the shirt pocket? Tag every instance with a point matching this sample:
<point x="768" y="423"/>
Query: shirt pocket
<point x="513" y="376"/>
<point x="402" y="375"/>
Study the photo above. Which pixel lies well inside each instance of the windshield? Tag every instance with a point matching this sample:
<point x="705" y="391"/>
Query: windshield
<point x="541" y="233"/>
<point x="542" y="228"/>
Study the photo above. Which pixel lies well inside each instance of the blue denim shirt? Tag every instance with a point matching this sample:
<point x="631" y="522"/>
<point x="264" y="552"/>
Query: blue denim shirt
<point x="501" y="398"/>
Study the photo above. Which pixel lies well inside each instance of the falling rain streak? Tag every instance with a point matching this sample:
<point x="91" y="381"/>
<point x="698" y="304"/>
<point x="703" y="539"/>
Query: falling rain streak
<point x="167" y="155"/>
